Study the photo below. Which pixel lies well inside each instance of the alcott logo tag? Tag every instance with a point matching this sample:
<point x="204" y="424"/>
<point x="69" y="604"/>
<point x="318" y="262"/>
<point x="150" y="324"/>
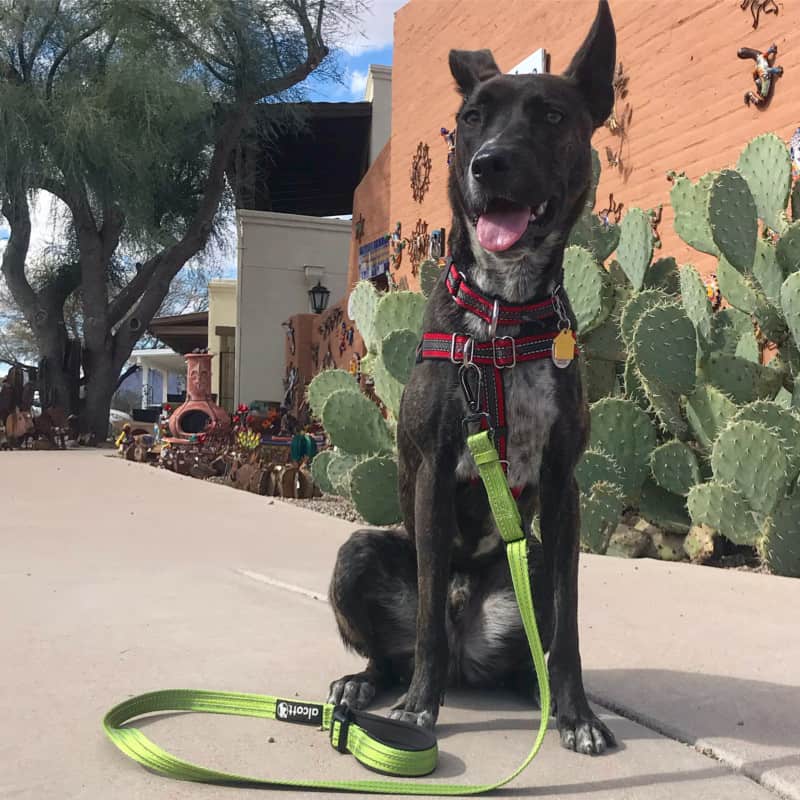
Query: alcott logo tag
<point x="306" y="713"/>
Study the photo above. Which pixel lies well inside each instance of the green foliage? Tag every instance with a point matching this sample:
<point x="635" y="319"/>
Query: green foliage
<point x="708" y="411"/>
<point x="361" y="308"/>
<point x="399" y="352"/>
<point x="674" y="467"/>
<point x="663" y="274"/>
<point x="340" y="466"/>
<point x="588" y="287"/>
<point x="724" y="509"/>
<point x="635" y="307"/>
<point x="399" y="311"/>
<point x="690" y="205"/>
<point x="779" y="546"/>
<point x="373" y="489"/>
<point x="601" y="507"/>
<point x="325" y="384"/>
<point x="319" y="471"/>
<point x="664" y="509"/>
<point x="788" y="248"/>
<point x="355" y="424"/>
<point x="767" y="167"/>
<point x="732" y="218"/>
<point x="695" y="300"/>
<point x="742" y="380"/>
<point x="635" y="247"/>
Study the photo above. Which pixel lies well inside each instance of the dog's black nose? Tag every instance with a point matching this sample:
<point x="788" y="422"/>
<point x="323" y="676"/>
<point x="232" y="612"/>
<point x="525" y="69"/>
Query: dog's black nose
<point x="490" y="163"/>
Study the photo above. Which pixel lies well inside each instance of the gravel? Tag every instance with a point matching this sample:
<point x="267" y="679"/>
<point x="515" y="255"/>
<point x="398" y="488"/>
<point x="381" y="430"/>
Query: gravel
<point x="328" y="504"/>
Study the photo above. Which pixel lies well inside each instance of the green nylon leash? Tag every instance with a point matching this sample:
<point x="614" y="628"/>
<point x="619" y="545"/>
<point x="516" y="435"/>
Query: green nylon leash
<point x="383" y="745"/>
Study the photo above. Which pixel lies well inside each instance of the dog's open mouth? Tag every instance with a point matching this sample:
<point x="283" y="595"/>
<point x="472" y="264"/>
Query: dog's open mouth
<point x="503" y="223"/>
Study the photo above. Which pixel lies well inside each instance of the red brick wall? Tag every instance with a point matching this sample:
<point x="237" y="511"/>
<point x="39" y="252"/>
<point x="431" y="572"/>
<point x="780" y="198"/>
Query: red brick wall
<point x="686" y="89"/>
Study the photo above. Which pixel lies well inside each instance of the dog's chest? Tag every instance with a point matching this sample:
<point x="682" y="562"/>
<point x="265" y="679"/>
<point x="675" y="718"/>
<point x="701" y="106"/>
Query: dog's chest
<point x="531" y="411"/>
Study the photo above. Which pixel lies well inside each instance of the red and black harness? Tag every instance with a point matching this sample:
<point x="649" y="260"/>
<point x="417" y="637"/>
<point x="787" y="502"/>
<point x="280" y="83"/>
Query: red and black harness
<point x="544" y="332"/>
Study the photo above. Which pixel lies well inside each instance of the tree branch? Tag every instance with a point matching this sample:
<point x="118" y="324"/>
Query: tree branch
<point x="65" y="51"/>
<point x="16" y="211"/>
<point x="43" y="34"/>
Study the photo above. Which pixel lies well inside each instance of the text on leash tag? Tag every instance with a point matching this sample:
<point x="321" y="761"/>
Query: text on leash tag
<point x="305" y="713"/>
<point x="564" y="348"/>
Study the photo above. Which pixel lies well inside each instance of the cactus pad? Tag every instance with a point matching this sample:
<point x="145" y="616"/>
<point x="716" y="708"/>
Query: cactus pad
<point x="596" y="466"/>
<point x="733" y="219"/>
<point x="664" y="346"/>
<point x="325" y="384"/>
<point x="603" y="342"/>
<point x="399" y="352"/>
<point x="361" y="307"/>
<point x="767" y="167"/>
<point x="695" y="300"/>
<point x="700" y="543"/>
<point x="624" y="431"/>
<point x="599" y="377"/>
<point x="590" y="233"/>
<point x="387" y="387"/>
<point x="749" y="457"/>
<point x="355" y="424"/>
<point x="690" y="205"/>
<point x="708" y="411"/>
<point x="779" y="546"/>
<point x="748" y="348"/>
<point x="373" y="489"/>
<point x="727" y="328"/>
<point x="340" y="466"/>
<point x="674" y="467"/>
<point x="398" y="311"/>
<point x="741" y="380"/>
<point x="319" y="471"/>
<point x="767" y="271"/>
<point x="633" y="384"/>
<point x="663" y="274"/>
<point x="784" y="424"/>
<point x="788" y="249"/>
<point x="724" y="509"/>
<point x="588" y="288"/>
<point x="735" y="287"/>
<point x="635" y="248"/>
<point x="600" y="512"/>
<point x="790" y="303"/>
<point x="635" y="307"/>
<point x="663" y="508"/>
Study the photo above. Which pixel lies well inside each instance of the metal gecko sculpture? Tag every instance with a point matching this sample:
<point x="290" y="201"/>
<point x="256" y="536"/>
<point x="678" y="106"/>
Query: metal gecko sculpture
<point x="759" y="7"/>
<point x="762" y="74"/>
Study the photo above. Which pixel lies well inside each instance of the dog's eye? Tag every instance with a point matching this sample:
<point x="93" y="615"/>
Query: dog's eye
<point x="471" y="117"/>
<point x="554" y="117"/>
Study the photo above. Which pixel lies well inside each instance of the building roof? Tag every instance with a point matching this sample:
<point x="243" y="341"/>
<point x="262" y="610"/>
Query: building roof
<point x="183" y="333"/>
<point x="312" y="171"/>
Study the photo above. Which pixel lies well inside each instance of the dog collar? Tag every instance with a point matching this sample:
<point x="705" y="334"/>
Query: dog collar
<point x="495" y="313"/>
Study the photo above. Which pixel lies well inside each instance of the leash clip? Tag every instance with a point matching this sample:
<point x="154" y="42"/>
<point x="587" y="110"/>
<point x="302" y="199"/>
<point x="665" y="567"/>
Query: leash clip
<point x="343" y="716"/>
<point x="476" y="417"/>
<point x="561" y="312"/>
<point x="473" y="398"/>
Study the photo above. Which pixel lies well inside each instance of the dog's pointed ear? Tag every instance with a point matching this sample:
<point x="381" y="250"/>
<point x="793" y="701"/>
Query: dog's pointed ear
<point x="471" y="67"/>
<point x="592" y="67"/>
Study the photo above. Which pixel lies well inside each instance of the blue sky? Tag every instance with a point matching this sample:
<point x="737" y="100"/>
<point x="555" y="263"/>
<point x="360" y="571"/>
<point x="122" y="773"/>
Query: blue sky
<point x="354" y="78"/>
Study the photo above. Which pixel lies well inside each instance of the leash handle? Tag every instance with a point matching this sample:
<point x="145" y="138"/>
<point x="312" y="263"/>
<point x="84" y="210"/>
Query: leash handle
<point x="388" y="746"/>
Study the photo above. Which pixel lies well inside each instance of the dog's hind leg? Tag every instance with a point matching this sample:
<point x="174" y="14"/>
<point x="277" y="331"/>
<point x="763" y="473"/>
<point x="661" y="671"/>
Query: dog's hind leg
<point x="373" y="593"/>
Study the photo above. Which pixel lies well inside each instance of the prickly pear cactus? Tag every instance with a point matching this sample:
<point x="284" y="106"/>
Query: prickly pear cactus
<point x="782" y="423"/>
<point x="355" y="424"/>
<point x="767" y="271"/>
<point x="741" y="380"/>
<point x="708" y="411"/>
<point x="790" y="303"/>
<point x="596" y="466"/>
<point x="325" y="384"/>
<point x="361" y="308"/>
<point x="675" y="468"/>
<point x="736" y="288"/>
<point x="601" y="508"/>
<point x="695" y="300"/>
<point x="624" y="431"/>
<point x="399" y="352"/>
<point x="788" y="249"/>
<point x="690" y="205"/>
<point x="767" y="167"/>
<point x="635" y="307"/>
<point x="733" y="219"/>
<point x="319" y="471"/>
<point x="340" y="465"/>
<point x="373" y="489"/>
<point x="635" y="249"/>
<point x="779" y="545"/>
<point x="588" y="287"/>
<point x="724" y="509"/>
<point x="663" y="508"/>
<point x="663" y="274"/>
<point x="398" y="311"/>
<point x="749" y="457"/>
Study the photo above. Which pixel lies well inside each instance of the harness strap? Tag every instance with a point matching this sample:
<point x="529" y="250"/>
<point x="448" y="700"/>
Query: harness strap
<point x="384" y="745"/>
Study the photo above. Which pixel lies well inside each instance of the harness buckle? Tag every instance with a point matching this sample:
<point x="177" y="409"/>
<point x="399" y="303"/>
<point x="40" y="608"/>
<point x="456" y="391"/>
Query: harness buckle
<point x="476" y="417"/>
<point x="466" y="352"/>
<point x="513" y="344"/>
<point x="343" y="716"/>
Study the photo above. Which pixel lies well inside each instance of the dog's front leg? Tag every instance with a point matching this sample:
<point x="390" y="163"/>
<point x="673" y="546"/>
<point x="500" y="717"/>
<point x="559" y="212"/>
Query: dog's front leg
<point x="434" y="519"/>
<point x="579" y="727"/>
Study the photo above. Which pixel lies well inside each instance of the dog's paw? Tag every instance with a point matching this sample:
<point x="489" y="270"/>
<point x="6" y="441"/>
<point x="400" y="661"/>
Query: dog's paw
<point x="409" y="711"/>
<point x="585" y="734"/>
<point x="356" y="691"/>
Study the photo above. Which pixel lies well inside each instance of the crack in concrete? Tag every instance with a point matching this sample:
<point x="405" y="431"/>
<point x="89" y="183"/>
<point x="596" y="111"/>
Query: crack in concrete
<point x="275" y="583"/>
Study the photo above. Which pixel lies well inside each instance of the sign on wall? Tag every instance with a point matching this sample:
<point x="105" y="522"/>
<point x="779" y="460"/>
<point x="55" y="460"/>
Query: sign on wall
<point x="373" y="258"/>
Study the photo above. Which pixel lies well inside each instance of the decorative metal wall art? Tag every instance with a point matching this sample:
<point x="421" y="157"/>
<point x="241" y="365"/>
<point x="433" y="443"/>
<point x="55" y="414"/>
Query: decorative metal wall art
<point x="655" y="221"/>
<point x="418" y="245"/>
<point x="420" y="172"/>
<point x="759" y="7"/>
<point x="358" y="228"/>
<point x="397" y="243"/>
<point x="619" y="121"/>
<point x="612" y="213"/>
<point x="763" y="73"/>
<point x="437" y="245"/>
<point x="315" y="357"/>
<point x="713" y="292"/>
<point x="450" y="140"/>
<point x="331" y="322"/>
<point x="289" y="328"/>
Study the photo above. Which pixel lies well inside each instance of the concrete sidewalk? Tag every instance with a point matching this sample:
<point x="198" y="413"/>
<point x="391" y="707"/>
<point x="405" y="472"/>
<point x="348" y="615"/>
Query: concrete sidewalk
<point x="119" y="579"/>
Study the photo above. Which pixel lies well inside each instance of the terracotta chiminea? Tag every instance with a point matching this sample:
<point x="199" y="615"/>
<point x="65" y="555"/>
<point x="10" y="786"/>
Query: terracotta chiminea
<point x="199" y="412"/>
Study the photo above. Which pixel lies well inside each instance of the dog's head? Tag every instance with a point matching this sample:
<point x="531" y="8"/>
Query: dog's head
<point x="523" y="153"/>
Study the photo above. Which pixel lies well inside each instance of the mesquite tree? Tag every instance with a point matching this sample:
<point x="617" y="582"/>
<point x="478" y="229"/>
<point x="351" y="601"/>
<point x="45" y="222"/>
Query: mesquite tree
<point x="130" y="113"/>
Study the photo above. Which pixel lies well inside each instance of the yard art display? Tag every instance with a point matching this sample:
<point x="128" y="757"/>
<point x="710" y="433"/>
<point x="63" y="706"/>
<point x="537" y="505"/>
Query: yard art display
<point x="373" y="258"/>
<point x="762" y="74"/>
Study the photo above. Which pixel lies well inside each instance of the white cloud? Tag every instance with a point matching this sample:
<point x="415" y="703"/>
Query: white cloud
<point x="358" y="82"/>
<point x="375" y="28"/>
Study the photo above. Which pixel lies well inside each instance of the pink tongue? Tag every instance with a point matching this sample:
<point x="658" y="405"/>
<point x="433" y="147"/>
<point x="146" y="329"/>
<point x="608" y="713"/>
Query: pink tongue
<point x="499" y="230"/>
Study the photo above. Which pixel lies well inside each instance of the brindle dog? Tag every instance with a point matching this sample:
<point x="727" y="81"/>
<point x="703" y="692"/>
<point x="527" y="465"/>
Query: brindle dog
<point x="432" y="605"/>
